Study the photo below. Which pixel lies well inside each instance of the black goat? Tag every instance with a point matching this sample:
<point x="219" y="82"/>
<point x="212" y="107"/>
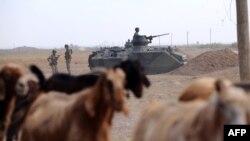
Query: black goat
<point x="135" y="76"/>
<point x="135" y="79"/>
<point x="64" y="82"/>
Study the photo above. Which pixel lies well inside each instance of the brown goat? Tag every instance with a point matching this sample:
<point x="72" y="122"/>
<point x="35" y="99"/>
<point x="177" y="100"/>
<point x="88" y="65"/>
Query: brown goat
<point x="199" y="89"/>
<point x="27" y="89"/>
<point x="203" y="88"/>
<point x="197" y="120"/>
<point x="85" y="115"/>
<point x="9" y="75"/>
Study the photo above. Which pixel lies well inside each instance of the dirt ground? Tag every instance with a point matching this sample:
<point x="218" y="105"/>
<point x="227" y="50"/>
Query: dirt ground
<point x="165" y="87"/>
<point x="209" y="61"/>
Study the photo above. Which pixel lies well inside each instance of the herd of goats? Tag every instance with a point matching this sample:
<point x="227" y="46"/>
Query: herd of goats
<point x="74" y="108"/>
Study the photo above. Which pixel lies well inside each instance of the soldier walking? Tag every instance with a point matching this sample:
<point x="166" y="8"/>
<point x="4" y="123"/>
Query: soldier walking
<point x="53" y="61"/>
<point x="67" y="56"/>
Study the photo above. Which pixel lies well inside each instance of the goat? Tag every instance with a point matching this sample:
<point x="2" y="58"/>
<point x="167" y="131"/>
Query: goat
<point x="27" y="90"/>
<point x="197" y="120"/>
<point x="202" y="89"/>
<point x="85" y="115"/>
<point x="135" y="79"/>
<point x="135" y="76"/>
<point x="9" y="75"/>
<point x="64" y="82"/>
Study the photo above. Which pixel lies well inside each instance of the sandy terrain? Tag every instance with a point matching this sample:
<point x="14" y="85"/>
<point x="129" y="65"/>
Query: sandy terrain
<point x="165" y="87"/>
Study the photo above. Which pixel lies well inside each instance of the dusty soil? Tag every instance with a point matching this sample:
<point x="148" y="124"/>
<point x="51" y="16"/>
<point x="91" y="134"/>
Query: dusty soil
<point x="209" y="62"/>
<point x="165" y="87"/>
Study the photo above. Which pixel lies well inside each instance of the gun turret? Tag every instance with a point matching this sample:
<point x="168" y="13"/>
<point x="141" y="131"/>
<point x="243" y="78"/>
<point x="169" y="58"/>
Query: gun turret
<point x="143" y="40"/>
<point x="151" y="37"/>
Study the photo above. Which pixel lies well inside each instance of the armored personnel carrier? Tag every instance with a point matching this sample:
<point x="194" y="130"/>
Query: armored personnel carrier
<point x="155" y="60"/>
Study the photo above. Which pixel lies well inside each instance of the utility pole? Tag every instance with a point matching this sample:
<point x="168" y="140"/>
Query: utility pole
<point x="187" y="38"/>
<point x="159" y="41"/>
<point x="210" y="37"/>
<point x="171" y="39"/>
<point x="243" y="39"/>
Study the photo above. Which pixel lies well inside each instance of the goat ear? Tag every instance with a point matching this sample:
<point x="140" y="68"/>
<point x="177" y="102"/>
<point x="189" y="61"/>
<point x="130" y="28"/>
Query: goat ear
<point x="2" y="89"/>
<point x="125" y="110"/>
<point x="244" y="86"/>
<point x="90" y="108"/>
<point x="219" y="92"/>
<point x="31" y="87"/>
<point x="146" y="82"/>
<point x="220" y="86"/>
<point x="110" y="87"/>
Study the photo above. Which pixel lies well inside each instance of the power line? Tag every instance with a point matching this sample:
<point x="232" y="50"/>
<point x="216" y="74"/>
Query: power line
<point x="225" y="7"/>
<point x="228" y="12"/>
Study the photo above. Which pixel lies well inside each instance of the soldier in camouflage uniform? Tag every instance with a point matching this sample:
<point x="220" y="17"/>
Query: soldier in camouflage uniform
<point x="67" y="56"/>
<point x="53" y="61"/>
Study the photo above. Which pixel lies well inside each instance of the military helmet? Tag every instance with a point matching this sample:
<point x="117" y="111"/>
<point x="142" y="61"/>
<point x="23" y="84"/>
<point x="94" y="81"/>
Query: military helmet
<point x="53" y="51"/>
<point x="66" y="45"/>
<point x="137" y="29"/>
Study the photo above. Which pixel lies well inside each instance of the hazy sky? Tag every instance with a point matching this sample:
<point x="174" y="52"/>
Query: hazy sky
<point x="52" y="23"/>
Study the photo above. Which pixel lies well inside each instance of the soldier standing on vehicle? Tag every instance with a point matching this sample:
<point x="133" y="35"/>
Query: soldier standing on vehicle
<point x="53" y="61"/>
<point x="67" y="56"/>
<point x="136" y="32"/>
<point x="138" y="39"/>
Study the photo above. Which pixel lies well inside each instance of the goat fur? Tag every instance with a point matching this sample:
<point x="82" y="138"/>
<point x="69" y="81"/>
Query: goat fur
<point x="135" y="79"/>
<point x="85" y="115"/>
<point x="27" y="89"/>
<point x="9" y="75"/>
<point x="197" y="120"/>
